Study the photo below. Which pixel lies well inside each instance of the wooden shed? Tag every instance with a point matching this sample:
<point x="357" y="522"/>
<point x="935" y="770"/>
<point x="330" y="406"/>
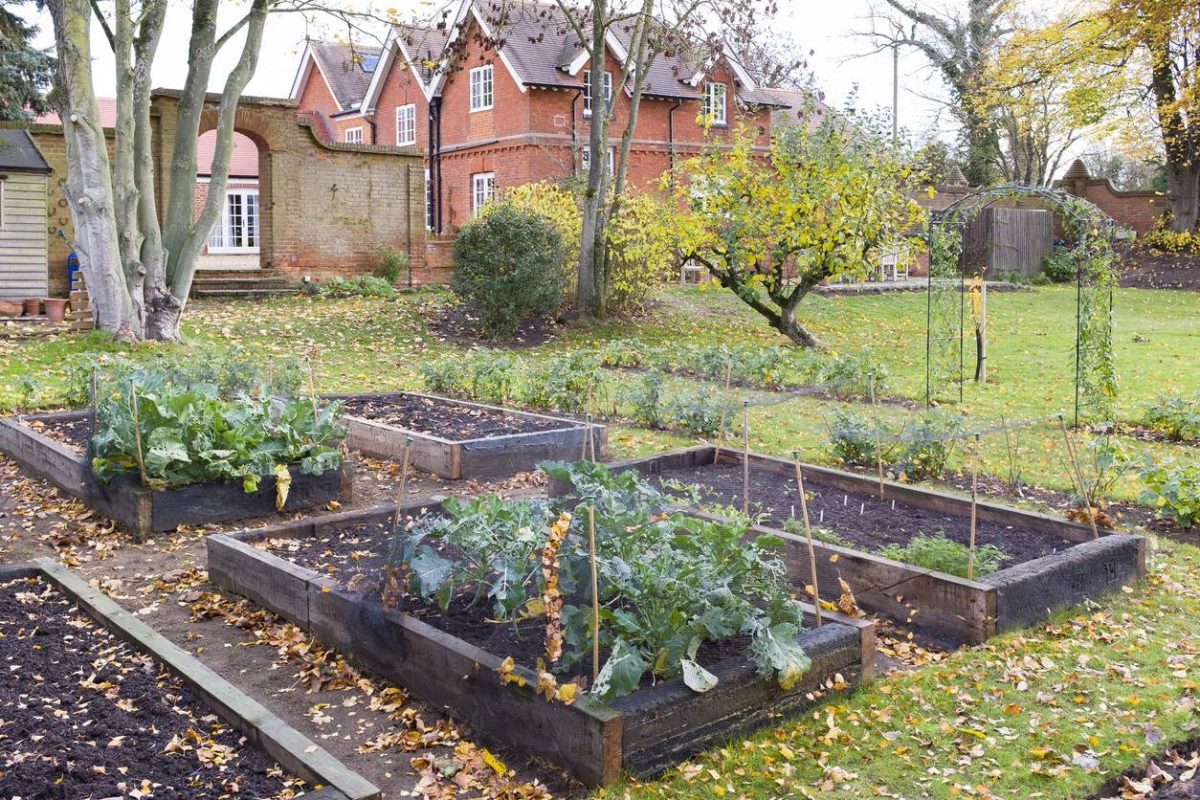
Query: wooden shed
<point x="24" y="174"/>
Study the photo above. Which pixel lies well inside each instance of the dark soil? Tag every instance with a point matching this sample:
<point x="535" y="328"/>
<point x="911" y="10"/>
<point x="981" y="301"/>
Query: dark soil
<point x="1147" y="269"/>
<point x="74" y="433"/>
<point x="454" y="323"/>
<point x="86" y="716"/>
<point x="1174" y="762"/>
<point x="861" y="519"/>
<point x="357" y="556"/>
<point x="446" y="420"/>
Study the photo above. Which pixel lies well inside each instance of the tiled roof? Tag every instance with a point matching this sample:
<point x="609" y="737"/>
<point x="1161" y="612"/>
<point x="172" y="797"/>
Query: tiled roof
<point x="796" y="106"/>
<point x="424" y="45"/>
<point x="107" y="107"/>
<point x="345" y="67"/>
<point x="18" y="153"/>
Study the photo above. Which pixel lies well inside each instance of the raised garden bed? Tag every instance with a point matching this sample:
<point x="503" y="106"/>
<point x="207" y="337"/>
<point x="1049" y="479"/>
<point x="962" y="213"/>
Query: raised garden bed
<point x="312" y="572"/>
<point x="103" y="710"/>
<point x="456" y="439"/>
<point x="54" y="447"/>
<point x="1054" y="563"/>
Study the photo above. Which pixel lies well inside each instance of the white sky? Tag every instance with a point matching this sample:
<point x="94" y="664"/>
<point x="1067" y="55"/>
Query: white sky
<point x="824" y="27"/>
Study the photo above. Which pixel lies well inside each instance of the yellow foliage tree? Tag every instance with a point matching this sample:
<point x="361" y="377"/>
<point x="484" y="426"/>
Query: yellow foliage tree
<point x="820" y="205"/>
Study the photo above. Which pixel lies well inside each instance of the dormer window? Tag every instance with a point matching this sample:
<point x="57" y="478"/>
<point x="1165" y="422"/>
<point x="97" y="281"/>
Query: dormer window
<point x="587" y="91"/>
<point x="714" y="103"/>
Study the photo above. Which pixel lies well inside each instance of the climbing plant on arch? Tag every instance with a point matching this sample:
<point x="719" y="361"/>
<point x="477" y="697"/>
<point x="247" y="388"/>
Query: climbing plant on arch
<point x="1090" y="232"/>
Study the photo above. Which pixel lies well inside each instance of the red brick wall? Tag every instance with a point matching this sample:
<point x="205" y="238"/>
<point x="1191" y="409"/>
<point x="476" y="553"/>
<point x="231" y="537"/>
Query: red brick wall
<point x="400" y="87"/>
<point x="1137" y="210"/>
<point x="315" y="97"/>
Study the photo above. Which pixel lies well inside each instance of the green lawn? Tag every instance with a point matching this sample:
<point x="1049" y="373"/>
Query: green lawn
<point x="1053" y="711"/>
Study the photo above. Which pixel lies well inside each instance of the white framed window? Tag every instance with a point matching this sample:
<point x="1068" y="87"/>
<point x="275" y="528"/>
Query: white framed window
<point x="406" y="125"/>
<point x="481" y="88"/>
<point x="237" y="231"/>
<point x="483" y="190"/>
<point x="354" y="135"/>
<point x="587" y="91"/>
<point x="714" y="103"/>
<point x="585" y="157"/>
<point x="428" y="202"/>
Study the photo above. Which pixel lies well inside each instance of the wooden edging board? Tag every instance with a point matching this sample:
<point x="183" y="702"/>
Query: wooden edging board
<point x="946" y="607"/>
<point x="642" y="733"/>
<point x="331" y="779"/>
<point x="487" y="457"/>
<point x="143" y="510"/>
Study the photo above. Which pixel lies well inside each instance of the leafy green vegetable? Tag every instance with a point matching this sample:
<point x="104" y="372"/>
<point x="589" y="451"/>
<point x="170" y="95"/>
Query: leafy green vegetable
<point x="190" y="433"/>
<point x="945" y="555"/>
<point x="667" y="582"/>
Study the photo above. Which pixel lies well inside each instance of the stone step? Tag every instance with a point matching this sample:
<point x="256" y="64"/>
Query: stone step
<point x="243" y="293"/>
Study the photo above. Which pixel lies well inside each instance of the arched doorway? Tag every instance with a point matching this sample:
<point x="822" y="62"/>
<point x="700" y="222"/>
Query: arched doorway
<point x="1089" y="233"/>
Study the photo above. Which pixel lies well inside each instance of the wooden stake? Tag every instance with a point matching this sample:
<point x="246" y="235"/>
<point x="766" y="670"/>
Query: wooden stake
<point x="403" y="499"/>
<point x="588" y="423"/>
<point x="1081" y="485"/>
<point x="974" y="506"/>
<point x="812" y="555"/>
<point x="878" y="444"/>
<point x="592" y="438"/>
<point x="746" y="457"/>
<point x="137" y="429"/>
<point x="312" y="388"/>
<point x="724" y="413"/>
<point x="595" y="594"/>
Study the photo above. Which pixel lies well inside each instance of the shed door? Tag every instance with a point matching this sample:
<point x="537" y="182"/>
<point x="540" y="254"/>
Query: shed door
<point x="23" y="237"/>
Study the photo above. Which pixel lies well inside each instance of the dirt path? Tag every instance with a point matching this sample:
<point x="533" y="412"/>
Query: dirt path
<point x="416" y="750"/>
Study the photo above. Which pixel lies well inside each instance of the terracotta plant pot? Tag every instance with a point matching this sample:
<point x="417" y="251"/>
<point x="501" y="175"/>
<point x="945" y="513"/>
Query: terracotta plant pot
<point x="56" y="309"/>
<point x="33" y="306"/>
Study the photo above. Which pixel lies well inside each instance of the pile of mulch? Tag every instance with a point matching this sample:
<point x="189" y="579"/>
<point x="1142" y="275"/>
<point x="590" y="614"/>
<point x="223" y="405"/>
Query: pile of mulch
<point x="454" y="323"/>
<point x="1143" y="268"/>
<point x="446" y="420"/>
<point x="861" y="519"/>
<point x="82" y="715"/>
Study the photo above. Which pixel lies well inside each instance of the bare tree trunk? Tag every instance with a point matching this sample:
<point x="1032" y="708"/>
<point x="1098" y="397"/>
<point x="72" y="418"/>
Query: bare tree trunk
<point x="184" y="238"/>
<point x="589" y="297"/>
<point x="126" y="188"/>
<point x="89" y="187"/>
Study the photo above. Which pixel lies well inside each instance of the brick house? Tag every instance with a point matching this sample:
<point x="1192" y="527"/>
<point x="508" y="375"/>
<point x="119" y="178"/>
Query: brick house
<point x="486" y="118"/>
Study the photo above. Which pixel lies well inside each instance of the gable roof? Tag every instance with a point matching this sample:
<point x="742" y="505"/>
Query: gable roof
<point x="18" y="153"/>
<point x="347" y="70"/>
<point x="419" y="48"/>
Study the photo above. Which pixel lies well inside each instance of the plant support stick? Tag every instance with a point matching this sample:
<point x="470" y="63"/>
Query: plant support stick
<point x="1083" y="492"/>
<point x="595" y="593"/>
<point x="588" y="435"/>
<point x="403" y="498"/>
<point x="974" y="507"/>
<point x="812" y="555"/>
<point x="746" y="457"/>
<point x="878" y="445"/>
<point x="724" y="413"/>
<point x="137" y="429"/>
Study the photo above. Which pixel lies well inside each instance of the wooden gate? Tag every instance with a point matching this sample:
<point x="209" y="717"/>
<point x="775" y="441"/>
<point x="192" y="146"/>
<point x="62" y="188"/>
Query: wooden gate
<point x="1009" y="240"/>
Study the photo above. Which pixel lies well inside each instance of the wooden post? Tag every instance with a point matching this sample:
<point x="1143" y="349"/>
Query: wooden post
<point x="974" y="507"/>
<point x="312" y="387"/>
<point x="878" y="443"/>
<point x="403" y="499"/>
<point x="595" y="594"/>
<point x="981" y="333"/>
<point x="812" y="556"/>
<point x="746" y="457"/>
<point x="1083" y="491"/>
<point x="588" y="424"/>
<point x="137" y="429"/>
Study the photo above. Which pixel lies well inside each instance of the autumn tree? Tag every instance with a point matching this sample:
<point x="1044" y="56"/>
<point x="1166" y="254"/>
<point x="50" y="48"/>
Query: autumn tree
<point x="821" y="204"/>
<point x="958" y="46"/>
<point x="25" y="71"/>
<point x="1146" y="53"/>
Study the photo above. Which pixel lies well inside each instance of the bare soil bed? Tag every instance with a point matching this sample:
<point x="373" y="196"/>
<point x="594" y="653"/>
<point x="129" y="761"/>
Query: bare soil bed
<point x="74" y="433"/>
<point x="86" y="716"/>
<point x="444" y="420"/>
<point x="1148" y="269"/>
<point x="357" y="556"/>
<point x="861" y="519"/>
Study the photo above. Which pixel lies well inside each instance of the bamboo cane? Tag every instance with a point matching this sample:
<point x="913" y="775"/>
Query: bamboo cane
<point x="595" y="594"/>
<point x="878" y="444"/>
<point x="746" y="457"/>
<point x="583" y="456"/>
<point x="1081" y="485"/>
<point x="974" y="506"/>
<point x="403" y="498"/>
<point x="812" y="555"/>
<point x="312" y="388"/>
<point x="137" y="430"/>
